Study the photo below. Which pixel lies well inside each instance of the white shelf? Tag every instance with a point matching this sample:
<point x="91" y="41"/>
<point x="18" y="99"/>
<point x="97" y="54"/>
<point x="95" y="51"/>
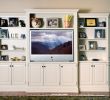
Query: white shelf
<point x="52" y="28"/>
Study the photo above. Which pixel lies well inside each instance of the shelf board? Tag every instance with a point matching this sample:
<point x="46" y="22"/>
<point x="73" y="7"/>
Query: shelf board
<point x="12" y="50"/>
<point x="92" y="50"/>
<point x="94" y="27"/>
<point x="51" y="28"/>
<point x="92" y="39"/>
<point x="12" y="39"/>
<point x="13" y="61"/>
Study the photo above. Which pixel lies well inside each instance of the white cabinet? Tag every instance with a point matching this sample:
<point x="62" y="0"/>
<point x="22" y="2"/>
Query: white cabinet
<point x="18" y="73"/>
<point x="93" y="75"/>
<point x="43" y="74"/>
<point x="12" y="73"/>
<point x="68" y="74"/>
<point x="5" y="74"/>
<point x="35" y="74"/>
<point x="100" y="74"/>
<point x="51" y="74"/>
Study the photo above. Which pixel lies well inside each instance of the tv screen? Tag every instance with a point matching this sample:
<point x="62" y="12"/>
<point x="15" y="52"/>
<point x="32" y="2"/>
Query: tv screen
<point x="51" y="44"/>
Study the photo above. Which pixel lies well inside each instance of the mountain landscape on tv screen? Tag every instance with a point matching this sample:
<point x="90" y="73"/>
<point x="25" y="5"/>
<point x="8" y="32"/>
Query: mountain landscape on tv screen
<point x="51" y="41"/>
<point x="43" y="48"/>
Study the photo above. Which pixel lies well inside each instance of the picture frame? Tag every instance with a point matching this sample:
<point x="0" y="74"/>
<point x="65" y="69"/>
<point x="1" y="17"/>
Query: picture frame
<point x="99" y="33"/>
<point x="4" y="47"/>
<point x="4" y="33"/>
<point x="3" y="22"/>
<point x="4" y="58"/>
<point x="52" y="22"/>
<point x="83" y="57"/>
<point x="82" y="47"/>
<point x="82" y="35"/>
<point x="90" y="22"/>
<point x="13" y="22"/>
<point x="92" y="45"/>
<point x="81" y="22"/>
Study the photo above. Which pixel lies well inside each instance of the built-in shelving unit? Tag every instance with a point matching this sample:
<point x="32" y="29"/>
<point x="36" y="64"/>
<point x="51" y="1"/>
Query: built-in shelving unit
<point x="94" y="51"/>
<point x="12" y="37"/>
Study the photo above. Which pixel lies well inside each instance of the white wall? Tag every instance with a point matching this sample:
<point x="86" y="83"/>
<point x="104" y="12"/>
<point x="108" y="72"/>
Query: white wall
<point x="83" y="5"/>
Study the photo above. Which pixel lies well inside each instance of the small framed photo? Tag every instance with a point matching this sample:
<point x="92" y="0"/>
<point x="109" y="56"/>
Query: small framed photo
<point x="81" y="22"/>
<point x="99" y="33"/>
<point x="52" y="23"/>
<point x="3" y="22"/>
<point x="13" y="22"/>
<point x="82" y="47"/>
<point x="82" y="35"/>
<point x="4" y="47"/>
<point x="4" y="33"/>
<point x="4" y="58"/>
<point x="92" y="45"/>
<point x="90" y="22"/>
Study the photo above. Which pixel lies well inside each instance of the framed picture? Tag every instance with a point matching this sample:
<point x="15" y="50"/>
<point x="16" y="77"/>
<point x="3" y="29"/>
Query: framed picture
<point x="99" y="33"/>
<point x="90" y="22"/>
<point x="81" y="22"/>
<point x="82" y="35"/>
<point x="4" y="58"/>
<point x="4" y="47"/>
<point x="92" y="45"/>
<point x="52" y="23"/>
<point x="13" y="22"/>
<point x="82" y="47"/>
<point x="83" y="57"/>
<point x="3" y="22"/>
<point x="4" y="33"/>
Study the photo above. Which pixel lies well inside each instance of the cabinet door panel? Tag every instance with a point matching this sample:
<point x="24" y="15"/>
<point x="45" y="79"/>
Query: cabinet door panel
<point x="18" y="73"/>
<point x="100" y="74"/>
<point x="5" y="74"/>
<point x="35" y="74"/>
<point x="51" y="74"/>
<point x="68" y="74"/>
<point x="85" y="73"/>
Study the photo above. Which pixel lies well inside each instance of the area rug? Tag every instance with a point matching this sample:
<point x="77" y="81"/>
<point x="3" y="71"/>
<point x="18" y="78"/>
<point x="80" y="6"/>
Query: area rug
<point x="53" y="98"/>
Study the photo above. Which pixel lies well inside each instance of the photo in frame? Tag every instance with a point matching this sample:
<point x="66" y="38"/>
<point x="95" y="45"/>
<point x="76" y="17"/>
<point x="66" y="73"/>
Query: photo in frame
<point x="4" y="58"/>
<point x="4" y="33"/>
<point x="52" y="23"/>
<point x="82" y="47"/>
<point x="13" y="22"/>
<point x="92" y="45"/>
<point x="3" y="47"/>
<point x="3" y="22"/>
<point x="90" y="22"/>
<point x="99" y="33"/>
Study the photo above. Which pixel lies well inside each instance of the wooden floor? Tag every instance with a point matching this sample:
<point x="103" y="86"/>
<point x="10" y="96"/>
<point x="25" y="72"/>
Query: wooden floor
<point x="54" y="94"/>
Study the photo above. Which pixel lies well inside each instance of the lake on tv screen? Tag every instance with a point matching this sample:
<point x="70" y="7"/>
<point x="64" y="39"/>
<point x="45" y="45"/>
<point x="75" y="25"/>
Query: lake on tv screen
<point x="51" y="41"/>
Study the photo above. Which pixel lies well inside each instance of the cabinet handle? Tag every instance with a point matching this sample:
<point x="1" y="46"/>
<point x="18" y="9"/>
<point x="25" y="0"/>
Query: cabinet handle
<point x="94" y="65"/>
<point x="12" y="66"/>
<point x="44" y="66"/>
<point x="91" y="65"/>
<point x="62" y="66"/>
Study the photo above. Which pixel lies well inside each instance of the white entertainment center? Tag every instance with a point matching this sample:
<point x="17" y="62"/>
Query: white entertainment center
<point x="54" y="50"/>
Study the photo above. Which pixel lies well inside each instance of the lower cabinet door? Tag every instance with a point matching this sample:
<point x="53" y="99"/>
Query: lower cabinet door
<point x="85" y="72"/>
<point x="5" y="74"/>
<point x="68" y="74"/>
<point x="51" y="74"/>
<point x="100" y="73"/>
<point x="18" y="73"/>
<point x="35" y="74"/>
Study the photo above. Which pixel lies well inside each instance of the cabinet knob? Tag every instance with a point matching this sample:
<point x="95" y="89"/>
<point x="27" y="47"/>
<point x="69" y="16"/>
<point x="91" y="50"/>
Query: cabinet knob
<point x="62" y="66"/>
<point x="12" y="66"/>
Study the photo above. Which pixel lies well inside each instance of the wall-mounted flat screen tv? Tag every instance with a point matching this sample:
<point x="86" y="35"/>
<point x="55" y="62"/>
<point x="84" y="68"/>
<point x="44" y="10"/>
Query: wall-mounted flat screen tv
<point x="51" y="45"/>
